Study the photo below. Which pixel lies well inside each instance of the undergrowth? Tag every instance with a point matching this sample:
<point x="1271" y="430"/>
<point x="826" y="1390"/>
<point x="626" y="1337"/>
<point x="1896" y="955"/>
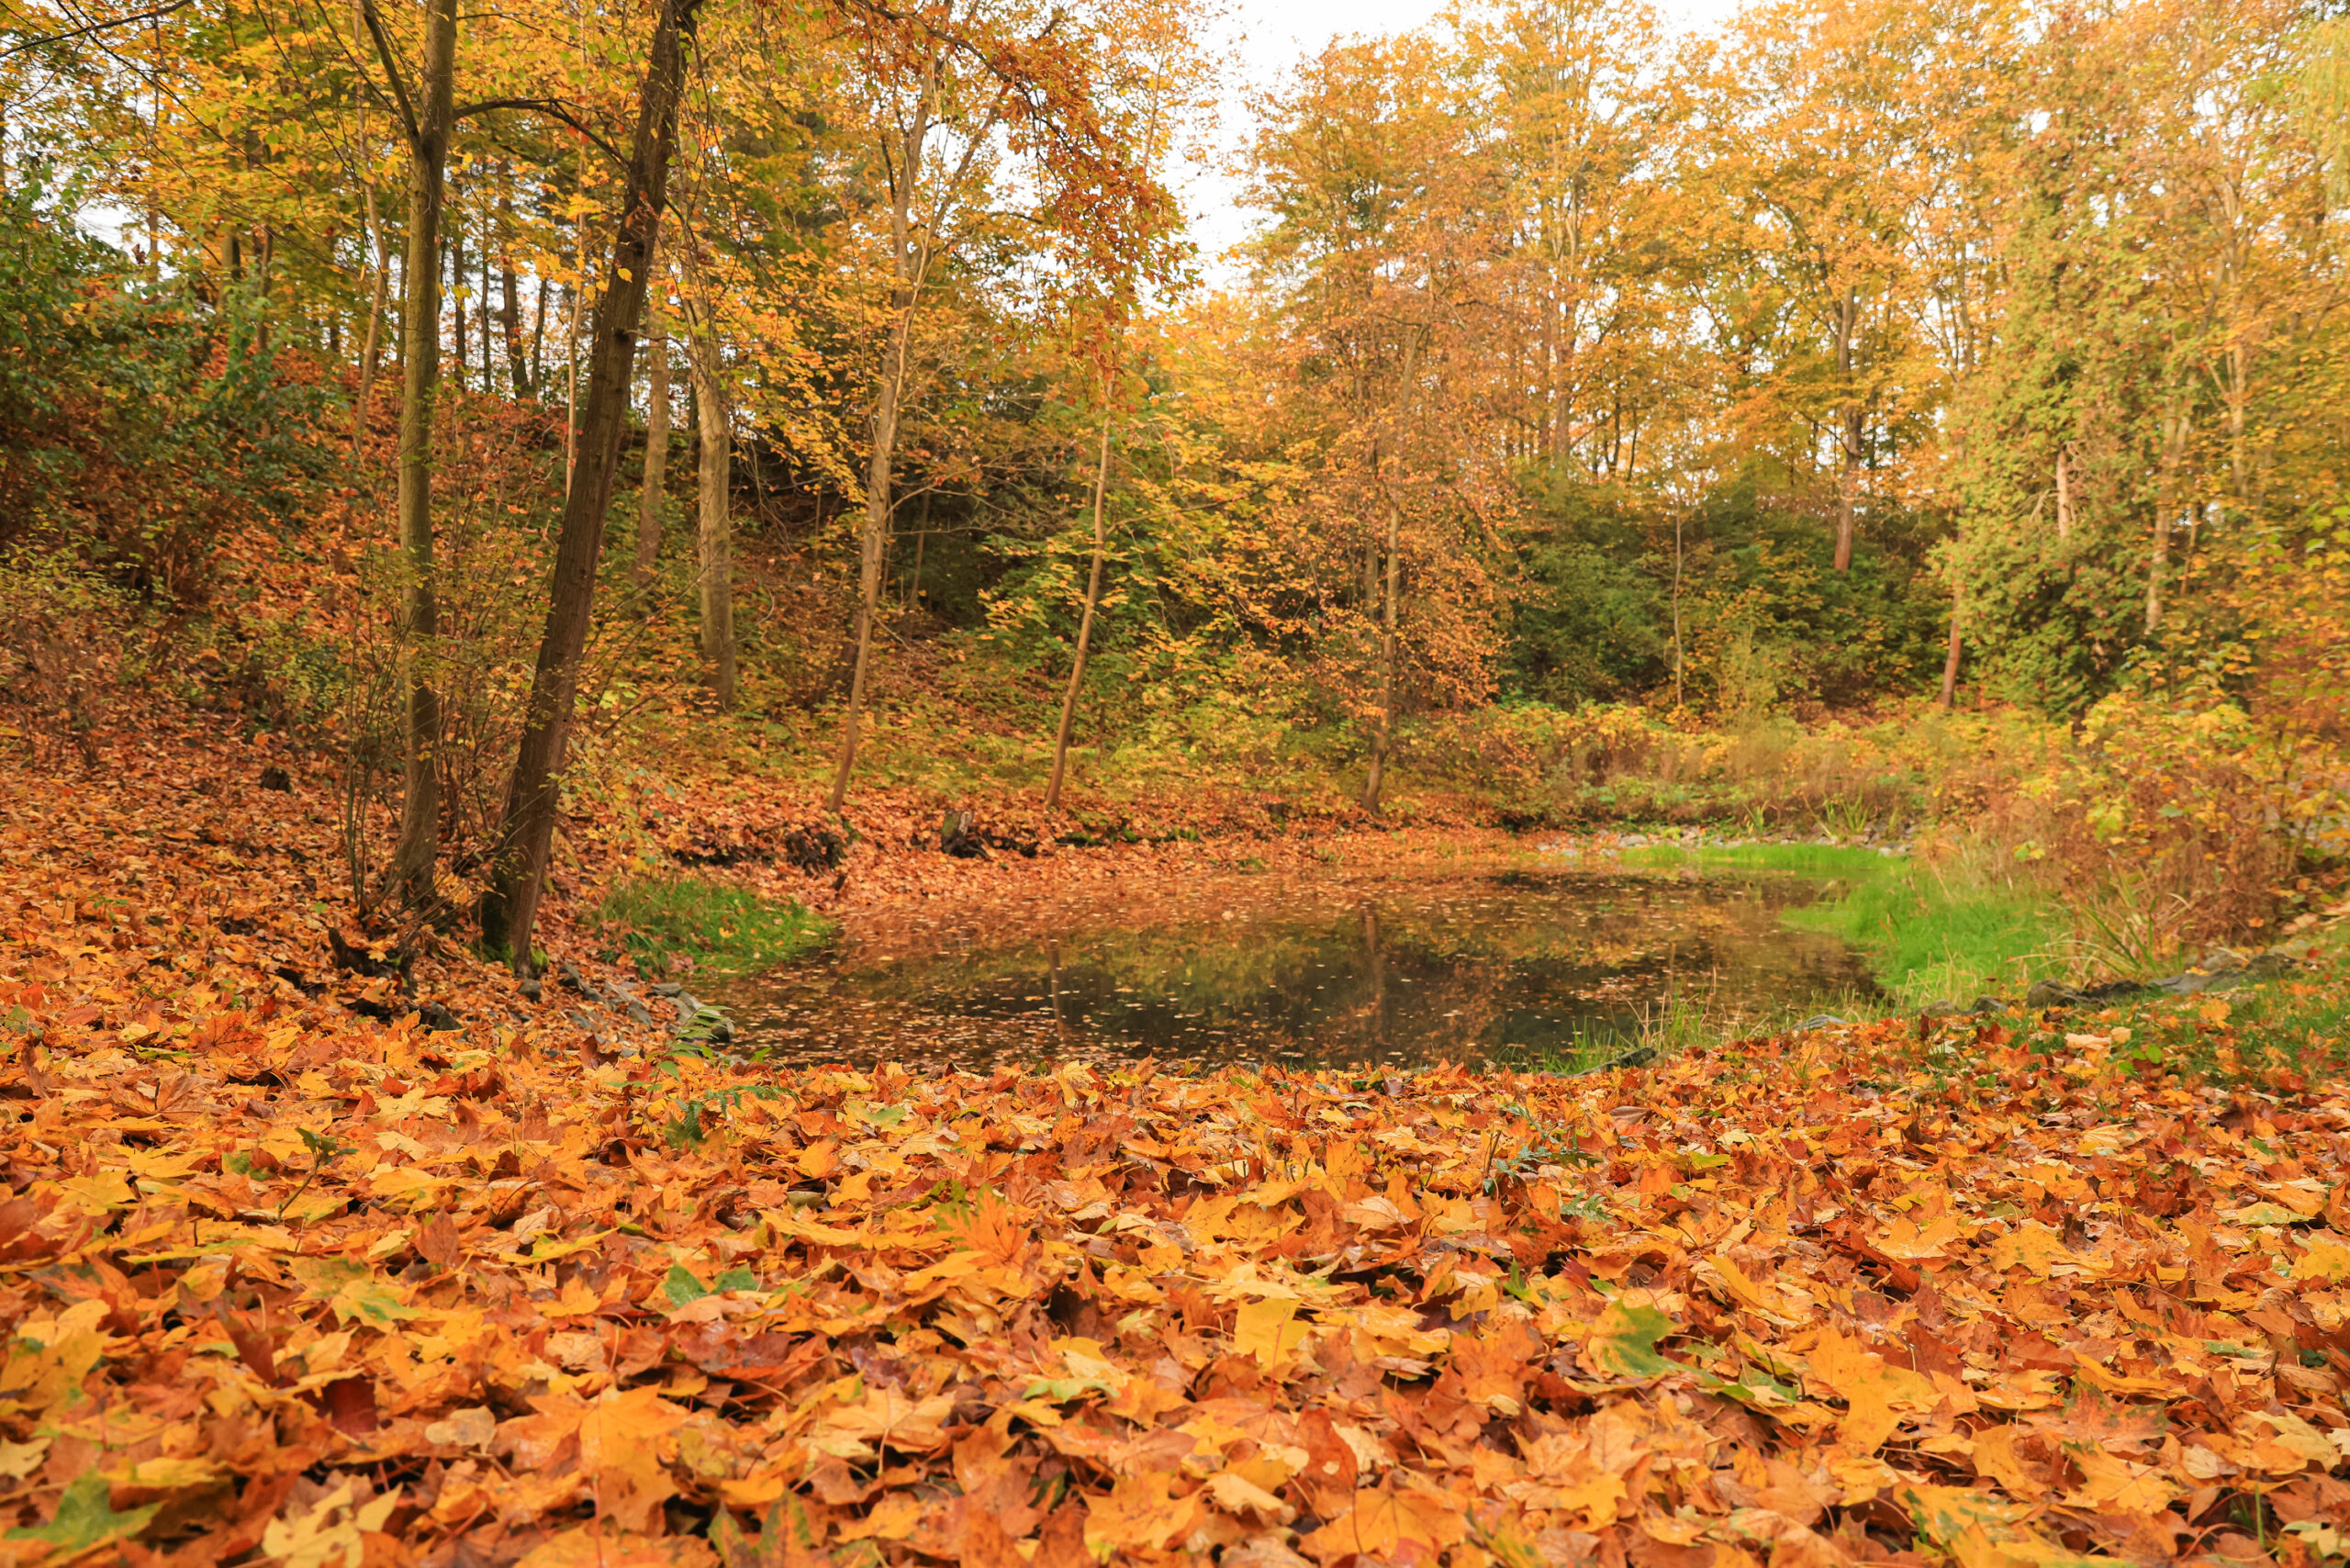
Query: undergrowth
<point x="1953" y="929"/>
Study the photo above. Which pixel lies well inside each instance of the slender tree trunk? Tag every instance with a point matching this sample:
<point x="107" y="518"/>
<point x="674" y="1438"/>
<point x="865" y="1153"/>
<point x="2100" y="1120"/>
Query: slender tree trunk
<point x="527" y="828"/>
<point x="1849" y="430"/>
<point x="1093" y="598"/>
<point x="2065" y="490"/>
<point x="2174" y="428"/>
<point x="413" y="859"/>
<point x="1950" y="659"/>
<point x="1384" y="736"/>
<point x="457" y="292"/>
<point x="879" y="477"/>
<point x="539" y="342"/>
<point x="922" y="538"/>
<point x="488" y="344"/>
<point x="510" y="302"/>
<point x="1678" y="520"/>
<point x="382" y="244"/>
<point x="656" y="452"/>
<point x="715" y="536"/>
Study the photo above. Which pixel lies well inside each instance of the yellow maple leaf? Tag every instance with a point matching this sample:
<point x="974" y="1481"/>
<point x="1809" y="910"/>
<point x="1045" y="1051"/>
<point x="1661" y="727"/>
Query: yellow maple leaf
<point x="1139" y="1516"/>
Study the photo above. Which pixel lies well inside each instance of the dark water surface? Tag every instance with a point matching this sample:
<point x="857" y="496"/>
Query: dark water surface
<point x="1530" y="968"/>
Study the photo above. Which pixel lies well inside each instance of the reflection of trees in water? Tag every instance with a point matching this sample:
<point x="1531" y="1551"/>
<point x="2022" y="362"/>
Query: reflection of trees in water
<point x="1416" y="971"/>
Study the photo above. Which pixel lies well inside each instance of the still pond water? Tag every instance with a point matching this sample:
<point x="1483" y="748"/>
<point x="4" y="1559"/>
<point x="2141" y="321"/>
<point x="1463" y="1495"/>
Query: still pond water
<point x="1555" y="969"/>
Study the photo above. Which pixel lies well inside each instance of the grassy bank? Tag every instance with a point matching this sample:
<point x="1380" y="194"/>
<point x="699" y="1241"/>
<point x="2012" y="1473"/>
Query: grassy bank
<point x="1952" y="930"/>
<point x="725" y="930"/>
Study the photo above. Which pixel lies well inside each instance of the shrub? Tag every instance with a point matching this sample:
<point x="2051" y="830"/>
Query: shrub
<point x="135" y="423"/>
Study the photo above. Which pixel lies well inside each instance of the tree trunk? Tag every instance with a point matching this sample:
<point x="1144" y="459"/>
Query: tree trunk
<point x="418" y="849"/>
<point x="715" y="536"/>
<point x="539" y="342"/>
<point x="527" y="828"/>
<point x="2174" y="428"/>
<point x="510" y="302"/>
<point x="2065" y="491"/>
<point x="922" y="538"/>
<point x="1950" y="659"/>
<point x="1850" y="429"/>
<point x="457" y="295"/>
<point x="1678" y="520"/>
<point x="656" y="453"/>
<point x="1383" y="737"/>
<point x="1093" y="598"/>
<point x="368" y="356"/>
<point x="879" y="477"/>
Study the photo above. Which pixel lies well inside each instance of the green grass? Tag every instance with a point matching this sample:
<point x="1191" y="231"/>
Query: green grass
<point x="726" y="930"/>
<point x="1931" y="934"/>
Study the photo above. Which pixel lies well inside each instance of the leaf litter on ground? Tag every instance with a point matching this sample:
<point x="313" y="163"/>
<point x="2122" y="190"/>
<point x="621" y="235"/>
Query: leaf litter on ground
<point x="286" y="1283"/>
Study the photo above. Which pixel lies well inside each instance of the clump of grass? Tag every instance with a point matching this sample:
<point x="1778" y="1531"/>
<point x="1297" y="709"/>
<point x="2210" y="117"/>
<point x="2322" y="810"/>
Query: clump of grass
<point x="1954" y="929"/>
<point x="725" y="930"/>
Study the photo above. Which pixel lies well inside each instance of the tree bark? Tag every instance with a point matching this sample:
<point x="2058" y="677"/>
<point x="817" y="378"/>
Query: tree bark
<point x="1950" y="659"/>
<point x="1850" y="428"/>
<point x="878" y="480"/>
<point x="715" y="535"/>
<point x="1092" y="599"/>
<point x="413" y="857"/>
<point x="527" y="827"/>
<point x="1384" y="736"/>
<point x="510" y="302"/>
<point x="381" y="243"/>
<point x="656" y="453"/>
<point x="2174" y="430"/>
<point x="2065" y="490"/>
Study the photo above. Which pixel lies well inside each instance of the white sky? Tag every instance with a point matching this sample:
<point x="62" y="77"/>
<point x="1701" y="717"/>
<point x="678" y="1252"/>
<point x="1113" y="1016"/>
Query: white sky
<point x="1267" y="36"/>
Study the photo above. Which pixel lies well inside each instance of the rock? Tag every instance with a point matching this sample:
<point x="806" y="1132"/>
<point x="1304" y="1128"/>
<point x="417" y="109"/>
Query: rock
<point x="568" y="972"/>
<point x="1990" y="1004"/>
<point x="581" y="1019"/>
<point x="2268" y="964"/>
<point x="278" y="778"/>
<point x="1939" y="1007"/>
<point x="438" y="1019"/>
<point x="688" y="1008"/>
<point x="956" y="837"/>
<point x="1821" y="1021"/>
<point x="531" y="989"/>
<point x="2220" y="961"/>
<point x="638" y="1013"/>
<point x="2048" y="993"/>
<point x="666" y="988"/>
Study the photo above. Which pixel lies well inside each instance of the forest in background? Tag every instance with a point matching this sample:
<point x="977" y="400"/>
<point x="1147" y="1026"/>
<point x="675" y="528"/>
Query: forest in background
<point x="1595" y="414"/>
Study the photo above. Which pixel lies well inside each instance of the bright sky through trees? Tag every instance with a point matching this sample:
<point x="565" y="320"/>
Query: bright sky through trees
<point x="1264" y="39"/>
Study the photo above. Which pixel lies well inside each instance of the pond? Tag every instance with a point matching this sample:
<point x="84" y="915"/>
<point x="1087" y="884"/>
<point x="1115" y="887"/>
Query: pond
<point x="1542" y="968"/>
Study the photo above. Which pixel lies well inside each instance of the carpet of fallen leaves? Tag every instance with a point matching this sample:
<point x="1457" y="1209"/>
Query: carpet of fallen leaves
<point x="287" y="1284"/>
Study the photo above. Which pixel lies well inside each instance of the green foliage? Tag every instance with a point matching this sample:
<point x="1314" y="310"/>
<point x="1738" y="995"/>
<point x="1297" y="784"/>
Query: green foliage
<point x="1949" y="929"/>
<point x="724" y="929"/>
<point x="136" y="422"/>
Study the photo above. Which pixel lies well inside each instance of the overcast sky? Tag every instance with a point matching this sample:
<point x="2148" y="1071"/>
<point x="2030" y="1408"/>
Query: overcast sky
<point x="1267" y="36"/>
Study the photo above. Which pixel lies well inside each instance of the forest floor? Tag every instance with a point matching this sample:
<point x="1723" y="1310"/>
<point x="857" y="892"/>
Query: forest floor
<point x="291" y="1274"/>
